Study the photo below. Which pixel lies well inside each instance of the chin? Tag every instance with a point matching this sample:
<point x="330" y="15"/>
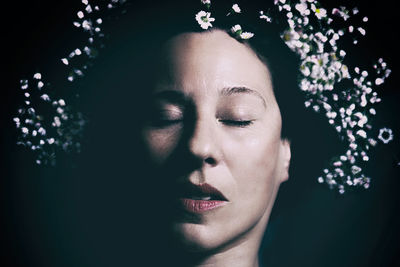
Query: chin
<point x="199" y="237"/>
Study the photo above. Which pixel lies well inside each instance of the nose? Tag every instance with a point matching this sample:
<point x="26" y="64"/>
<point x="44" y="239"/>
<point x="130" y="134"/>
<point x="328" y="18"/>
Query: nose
<point x="203" y="143"/>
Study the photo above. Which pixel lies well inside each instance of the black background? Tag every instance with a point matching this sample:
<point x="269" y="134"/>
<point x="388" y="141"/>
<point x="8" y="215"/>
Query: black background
<point x="312" y="226"/>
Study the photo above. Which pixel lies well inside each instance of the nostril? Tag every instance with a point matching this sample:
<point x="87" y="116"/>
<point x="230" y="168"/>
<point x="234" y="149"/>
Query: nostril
<point x="210" y="161"/>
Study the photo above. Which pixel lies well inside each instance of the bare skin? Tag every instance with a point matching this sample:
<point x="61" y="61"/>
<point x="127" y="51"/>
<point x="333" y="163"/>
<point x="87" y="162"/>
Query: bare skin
<point x="236" y="137"/>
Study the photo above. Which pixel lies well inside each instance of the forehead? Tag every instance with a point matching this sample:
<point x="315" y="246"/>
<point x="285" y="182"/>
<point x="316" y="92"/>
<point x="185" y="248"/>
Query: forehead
<point x="213" y="60"/>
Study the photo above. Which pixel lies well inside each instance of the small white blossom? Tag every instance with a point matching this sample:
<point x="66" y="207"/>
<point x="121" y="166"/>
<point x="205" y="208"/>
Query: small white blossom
<point x="65" y="61"/>
<point x="319" y="12"/>
<point x="24" y="130"/>
<point x="361" y="30"/>
<point x="236" y="28"/>
<point x="40" y="84"/>
<point x="42" y="131"/>
<point x="355" y="169"/>
<point x="80" y="14"/>
<point x="379" y="81"/>
<point x="385" y="135"/>
<point x="362" y="133"/>
<point x="303" y="9"/>
<point x="236" y="8"/>
<point x="45" y="97"/>
<point x="204" y="19"/>
<point x="246" y="35"/>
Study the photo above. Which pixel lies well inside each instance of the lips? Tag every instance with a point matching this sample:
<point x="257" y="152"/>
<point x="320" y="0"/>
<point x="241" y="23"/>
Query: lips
<point x="201" y="198"/>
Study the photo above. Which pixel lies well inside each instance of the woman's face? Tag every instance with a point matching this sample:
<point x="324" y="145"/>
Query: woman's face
<point x="216" y="123"/>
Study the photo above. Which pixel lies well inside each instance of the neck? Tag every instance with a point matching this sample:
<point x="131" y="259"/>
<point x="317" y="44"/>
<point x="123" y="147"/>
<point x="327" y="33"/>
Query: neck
<point x="243" y="255"/>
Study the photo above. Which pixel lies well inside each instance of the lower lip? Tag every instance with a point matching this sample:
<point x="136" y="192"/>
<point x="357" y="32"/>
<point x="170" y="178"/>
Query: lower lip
<point x="199" y="206"/>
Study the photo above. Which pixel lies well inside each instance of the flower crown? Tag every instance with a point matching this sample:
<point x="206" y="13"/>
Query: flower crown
<point x="321" y="69"/>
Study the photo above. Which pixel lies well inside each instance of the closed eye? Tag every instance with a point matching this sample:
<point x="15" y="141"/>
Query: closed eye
<point x="237" y="123"/>
<point x="163" y="119"/>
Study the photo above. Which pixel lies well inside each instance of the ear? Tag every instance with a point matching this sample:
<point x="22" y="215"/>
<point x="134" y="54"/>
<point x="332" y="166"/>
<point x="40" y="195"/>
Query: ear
<point x="285" y="155"/>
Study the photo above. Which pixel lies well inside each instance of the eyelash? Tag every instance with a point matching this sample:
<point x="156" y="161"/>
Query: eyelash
<point x="163" y="120"/>
<point x="231" y="123"/>
<point x="237" y="123"/>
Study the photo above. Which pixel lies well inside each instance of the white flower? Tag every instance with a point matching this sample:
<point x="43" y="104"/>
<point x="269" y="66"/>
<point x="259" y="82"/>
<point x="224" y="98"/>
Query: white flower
<point x="24" y="130"/>
<point x="206" y="2"/>
<point x="379" y="81"/>
<point x="302" y="8"/>
<point x="42" y="131"/>
<point x="45" y="97"/>
<point x="40" y="84"/>
<point x="362" y="133"/>
<point x="204" y="19"/>
<point x="372" y="141"/>
<point x="361" y="30"/>
<point x="236" y="28"/>
<point x="80" y="14"/>
<point x="236" y="8"/>
<point x="319" y="12"/>
<point x="246" y="35"/>
<point x="65" y="61"/>
<point x="385" y="135"/>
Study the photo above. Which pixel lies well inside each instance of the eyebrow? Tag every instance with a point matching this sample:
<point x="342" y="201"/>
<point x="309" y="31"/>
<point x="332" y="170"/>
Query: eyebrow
<point x="179" y="97"/>
<point x="227" y="91"/>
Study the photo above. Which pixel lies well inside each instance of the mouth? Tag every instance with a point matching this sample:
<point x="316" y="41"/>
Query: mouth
<point x="201" y="198"/>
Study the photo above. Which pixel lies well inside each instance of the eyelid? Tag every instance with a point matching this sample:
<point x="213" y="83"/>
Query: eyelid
<point x="170" y="114"/>
<point x="168" y="108"/>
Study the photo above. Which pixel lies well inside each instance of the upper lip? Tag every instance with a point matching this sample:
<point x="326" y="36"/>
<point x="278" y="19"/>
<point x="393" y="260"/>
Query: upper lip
<point x="190" y="190"/>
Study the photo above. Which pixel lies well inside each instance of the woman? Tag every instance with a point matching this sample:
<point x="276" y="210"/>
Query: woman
<point x="218" y="115"/>
<point x="209" y="131"/>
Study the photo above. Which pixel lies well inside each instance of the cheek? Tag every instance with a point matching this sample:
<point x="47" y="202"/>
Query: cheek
<point x="252" y="153"/>
<point x="160" y="143"/>
<point x="253" y="163"/>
